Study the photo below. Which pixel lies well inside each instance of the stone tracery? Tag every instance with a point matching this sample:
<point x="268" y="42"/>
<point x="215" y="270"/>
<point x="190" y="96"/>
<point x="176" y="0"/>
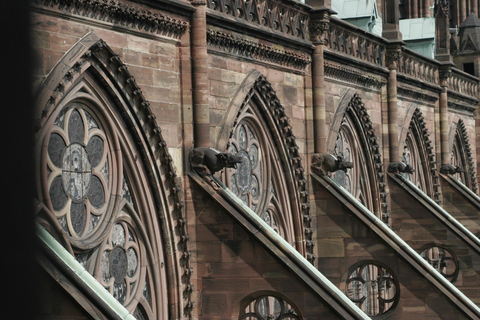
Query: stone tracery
<point x="355" y="138"/>
<point x="418" y="152"/>
<point x="97" y="189"/>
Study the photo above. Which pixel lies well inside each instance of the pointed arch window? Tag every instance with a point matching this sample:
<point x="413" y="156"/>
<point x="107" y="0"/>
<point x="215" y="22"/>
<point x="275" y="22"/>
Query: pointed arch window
<point x="254" y="180"/>
<point x="355" y="180"/>
<point x="82" y="180"/>
<point x="418" y="153"/>
<point x="102" y="180"/>
<point x="412" y="157"/>
<point x="271" y="180"/>
<point x="352" y="135"/>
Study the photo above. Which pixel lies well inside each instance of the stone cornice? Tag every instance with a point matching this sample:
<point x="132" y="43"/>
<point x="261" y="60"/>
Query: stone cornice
<point x="462" y="106"/>
<point x="415" y="94"/>
<point x="229" y="43"/>
<point x="353" y="76"/>
<point x="119" y="13"/>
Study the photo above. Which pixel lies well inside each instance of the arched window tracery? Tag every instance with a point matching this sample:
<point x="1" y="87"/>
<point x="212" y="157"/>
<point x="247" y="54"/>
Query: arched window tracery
<point x="418" y="152"/>
<point x="101" y="180"/>
<point x="352" y="135"/>
<point x="373" y="287"/>
<point x="82" y="180"/>
<point x="78" y="173"/>
<point x="283" y="200"/>
<point x="412" y="157"/>
<point x="254" y="180"/>
<point x="269" y="307"/>
<point x="443" y="259"/>
<point x="355" y="180"/>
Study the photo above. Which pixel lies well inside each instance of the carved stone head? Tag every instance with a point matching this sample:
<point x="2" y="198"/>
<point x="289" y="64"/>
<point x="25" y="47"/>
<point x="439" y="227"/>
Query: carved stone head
<point x="343" y="164"/>
<point x="229" y="160"/>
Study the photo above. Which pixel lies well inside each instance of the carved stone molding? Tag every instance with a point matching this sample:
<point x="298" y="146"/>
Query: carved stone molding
<point x="318" y="26"/>
<point x="463" y="107"/>
<point x="317" y="31"/>
<point x="119" y="13"/>
<point x="416" y="94"/>
<point x="444" y="75"/>
<point x="353" y="76"/>
<point x="248" y="49"/>
<point x="198" y="2"/>
<point x="392" y="57"/>
<point x="413" y="65"/>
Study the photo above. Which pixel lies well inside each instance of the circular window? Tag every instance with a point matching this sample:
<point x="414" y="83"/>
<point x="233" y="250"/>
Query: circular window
<point x="442" y="259"/>
<point x="77" y="170"/>
<point x="269" y="308"/>
<point x="373" y="287"/>
<point x="119" y="263"/>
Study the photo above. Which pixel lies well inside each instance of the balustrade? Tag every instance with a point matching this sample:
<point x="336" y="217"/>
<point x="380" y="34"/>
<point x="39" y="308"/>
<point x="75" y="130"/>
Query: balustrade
<point x="288" y="19"/>
<point x="419" y="67"/>
<point x="463" y="83"/>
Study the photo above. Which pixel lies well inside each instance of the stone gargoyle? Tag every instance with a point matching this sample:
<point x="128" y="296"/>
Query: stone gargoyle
<point x="400" y="167"/>
<point x="450" y="169"/>
<point x="326" y="162"/>
<point x="207" y="161"/>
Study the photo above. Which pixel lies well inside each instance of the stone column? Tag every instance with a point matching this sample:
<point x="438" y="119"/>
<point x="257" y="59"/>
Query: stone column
<point x="442" y="34"/>
<point x="427" y="12"/>
<point x="391" y="31"/>
<point x="319" y="25"/>
<point x="414" y="9"/>
<point x="392" y="56"/>
<point x="201" y="109"/>
<point x="445" y="73"/>
<point x="463" y="10"/>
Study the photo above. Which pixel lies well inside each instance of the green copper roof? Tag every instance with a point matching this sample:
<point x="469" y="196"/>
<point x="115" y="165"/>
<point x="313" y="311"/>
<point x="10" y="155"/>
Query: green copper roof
<point x="416" y="29"/>
<point x="354" y="8"/>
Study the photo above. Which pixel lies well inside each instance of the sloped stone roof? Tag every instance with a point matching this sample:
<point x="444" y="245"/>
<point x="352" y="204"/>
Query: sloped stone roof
<point x="469" y="35"/>
<point x="471" y="21"/>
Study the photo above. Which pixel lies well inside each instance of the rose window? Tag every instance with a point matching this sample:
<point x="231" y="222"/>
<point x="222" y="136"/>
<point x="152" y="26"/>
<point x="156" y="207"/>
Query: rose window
<point x="269" y="308"/>
<point x="119" y="263"/>
<point x="373" y="288"/>
<point x="246" y="180"/>
<point x="77" y="172"/>
<point x="443" y="260"/>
